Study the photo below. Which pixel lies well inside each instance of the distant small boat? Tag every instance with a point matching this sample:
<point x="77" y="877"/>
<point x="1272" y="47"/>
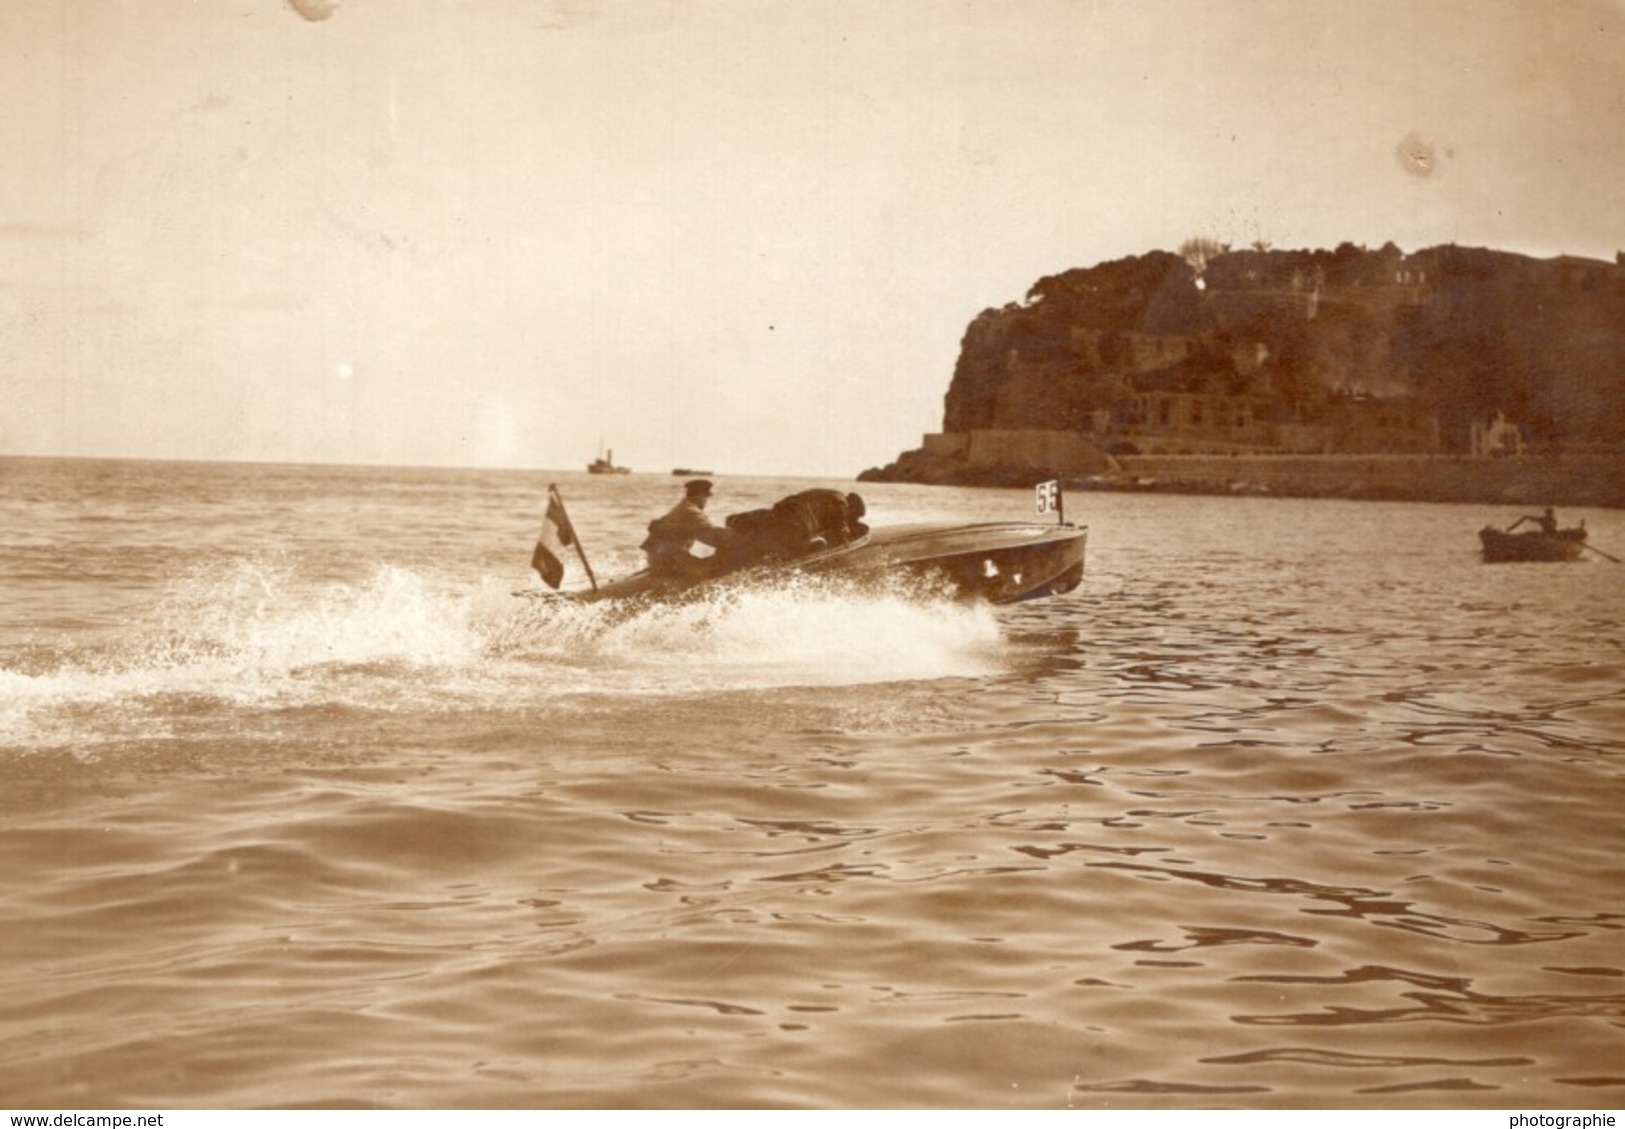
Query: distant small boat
<point x="684" y="472"/>
<point x="605" y="464"/>
<point x="1502" y="546"/>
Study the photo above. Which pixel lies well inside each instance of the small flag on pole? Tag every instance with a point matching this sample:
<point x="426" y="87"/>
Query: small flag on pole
<point x="1049" y="496"/>
<point x="557" y="535"/>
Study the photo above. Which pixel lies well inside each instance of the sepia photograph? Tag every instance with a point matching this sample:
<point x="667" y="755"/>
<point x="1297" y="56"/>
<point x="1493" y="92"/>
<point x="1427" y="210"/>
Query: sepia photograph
<point x="812" y="555"/>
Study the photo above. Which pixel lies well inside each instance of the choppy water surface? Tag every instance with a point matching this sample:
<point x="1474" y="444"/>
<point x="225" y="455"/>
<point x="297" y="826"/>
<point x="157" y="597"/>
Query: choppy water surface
<point x="1290" y="804"/>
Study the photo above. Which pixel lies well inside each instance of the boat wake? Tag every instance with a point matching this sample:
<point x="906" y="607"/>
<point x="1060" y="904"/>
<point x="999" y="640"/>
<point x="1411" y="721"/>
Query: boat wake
<point x="796" y="631"/>
<point x="255" y="636"/>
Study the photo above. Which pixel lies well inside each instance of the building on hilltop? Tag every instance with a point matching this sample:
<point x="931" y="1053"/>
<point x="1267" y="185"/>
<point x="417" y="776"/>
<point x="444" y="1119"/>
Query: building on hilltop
<point x="1496" y="436"/>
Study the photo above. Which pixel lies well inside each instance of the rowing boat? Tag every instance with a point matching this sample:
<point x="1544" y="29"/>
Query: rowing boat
<point x="1500" y="545"/>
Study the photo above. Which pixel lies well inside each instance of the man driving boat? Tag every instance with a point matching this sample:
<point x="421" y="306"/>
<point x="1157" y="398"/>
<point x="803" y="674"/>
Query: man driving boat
<point x="673" y="534"/>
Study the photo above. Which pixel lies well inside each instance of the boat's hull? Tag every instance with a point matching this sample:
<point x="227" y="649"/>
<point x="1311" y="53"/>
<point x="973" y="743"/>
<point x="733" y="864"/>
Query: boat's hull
<point x="999" y="562"/>
<point x="1500" y="546"/>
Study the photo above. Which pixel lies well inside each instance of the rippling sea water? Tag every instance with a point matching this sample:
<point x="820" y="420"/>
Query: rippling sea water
<point x="1291" y="804"/>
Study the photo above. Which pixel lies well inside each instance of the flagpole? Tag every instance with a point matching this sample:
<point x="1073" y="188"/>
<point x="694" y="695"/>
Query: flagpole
<point x="575" y="538"/>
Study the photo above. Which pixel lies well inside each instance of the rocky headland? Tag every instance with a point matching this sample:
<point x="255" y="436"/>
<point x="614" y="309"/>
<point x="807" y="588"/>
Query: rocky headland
<point x="1450" y="374"/>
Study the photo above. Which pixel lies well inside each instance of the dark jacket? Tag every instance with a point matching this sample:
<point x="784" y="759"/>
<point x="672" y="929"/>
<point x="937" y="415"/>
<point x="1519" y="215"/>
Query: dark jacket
<point x="672" y="535"/>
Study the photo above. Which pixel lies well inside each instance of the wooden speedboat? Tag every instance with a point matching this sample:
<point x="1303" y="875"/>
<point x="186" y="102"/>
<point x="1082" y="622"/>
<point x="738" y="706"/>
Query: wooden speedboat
<point x="1501" y="545"/>
<point x="997" y="562"/>
<point x="819" y="533"/>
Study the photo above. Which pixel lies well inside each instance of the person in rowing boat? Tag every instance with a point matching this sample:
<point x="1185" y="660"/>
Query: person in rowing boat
<point x="673" y="534"/>
<point x="1547" y="522"/>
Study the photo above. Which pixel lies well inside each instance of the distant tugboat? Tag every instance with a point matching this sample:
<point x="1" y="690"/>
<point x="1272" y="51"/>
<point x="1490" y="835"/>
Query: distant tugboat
<point x="605" y="464"/>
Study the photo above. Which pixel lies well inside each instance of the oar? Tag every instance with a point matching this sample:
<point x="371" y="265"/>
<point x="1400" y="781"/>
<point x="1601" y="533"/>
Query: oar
<point x="1600" y="553"/>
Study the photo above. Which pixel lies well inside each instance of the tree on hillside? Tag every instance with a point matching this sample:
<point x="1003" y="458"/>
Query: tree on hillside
<point x="1199" y="249"/>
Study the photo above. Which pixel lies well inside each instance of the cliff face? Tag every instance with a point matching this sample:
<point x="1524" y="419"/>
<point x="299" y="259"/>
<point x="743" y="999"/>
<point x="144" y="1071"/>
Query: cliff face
<point x="1297" y="350"/>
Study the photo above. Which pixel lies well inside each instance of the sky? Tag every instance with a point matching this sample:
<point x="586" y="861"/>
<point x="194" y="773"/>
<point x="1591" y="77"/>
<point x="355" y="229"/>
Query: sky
<point x="744" y="236"/>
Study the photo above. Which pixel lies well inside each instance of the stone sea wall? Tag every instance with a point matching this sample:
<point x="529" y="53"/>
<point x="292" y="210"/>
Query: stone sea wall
<point x="1021" y="458"/>
<point x="1572" y="480"/>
